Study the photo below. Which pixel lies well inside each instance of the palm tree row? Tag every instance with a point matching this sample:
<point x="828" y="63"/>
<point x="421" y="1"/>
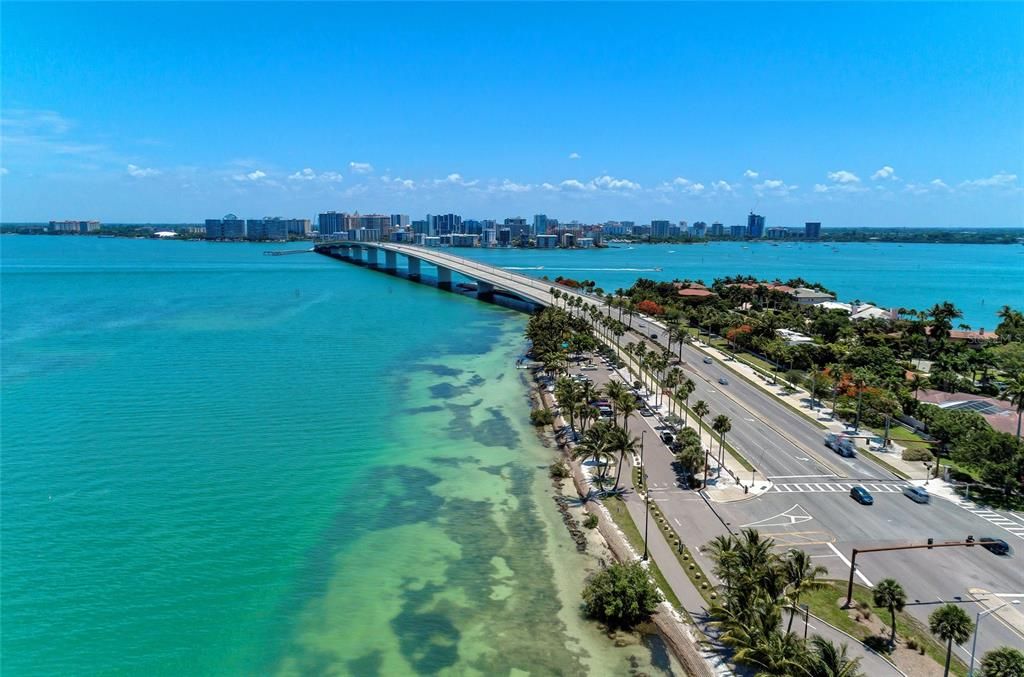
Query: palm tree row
<point x="758" y="585"/>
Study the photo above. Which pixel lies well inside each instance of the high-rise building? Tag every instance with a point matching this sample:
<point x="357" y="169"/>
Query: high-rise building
<point x="540" y="224"/>
<point x="777" y="233"/>
<point x="490" y="237"/>
<point x="717" y="229"/>
<point x="519" y="228"/>
<point x="330" y="223"/>
<point x="547" y="241"/>
<point x="445" y="224"/>
<point x="659" y="229"/>
<point x="229" y="228"/>
<point x="422" y="228"/>
<point x="737" y="232"/>
<point x="74" y="226"/>
<point x="812" y="230"/>
<point x="472" y="227"/>
<point x="700" y="229"/>
<point x="755" y="225"/>
<point x="268" y="228"/>
<point x="399" y="220"/>
<point x="504" y="237"/>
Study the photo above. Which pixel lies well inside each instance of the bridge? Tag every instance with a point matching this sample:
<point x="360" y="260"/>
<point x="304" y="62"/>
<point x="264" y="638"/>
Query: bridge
<point x="489" y="279"/>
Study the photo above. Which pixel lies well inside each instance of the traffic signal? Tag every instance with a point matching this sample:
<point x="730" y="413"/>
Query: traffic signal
<point x="930" y="541"/>
<point x="970" y="541"/>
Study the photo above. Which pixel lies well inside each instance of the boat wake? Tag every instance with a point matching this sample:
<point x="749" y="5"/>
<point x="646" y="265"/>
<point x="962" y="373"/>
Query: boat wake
<point x="625" y="270"/>
<point x="523" y="268"/>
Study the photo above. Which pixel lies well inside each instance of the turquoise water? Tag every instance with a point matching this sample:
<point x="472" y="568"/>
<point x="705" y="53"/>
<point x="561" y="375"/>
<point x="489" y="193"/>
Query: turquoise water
<point x="979" y="279"/>
<point x="219" y="462"/>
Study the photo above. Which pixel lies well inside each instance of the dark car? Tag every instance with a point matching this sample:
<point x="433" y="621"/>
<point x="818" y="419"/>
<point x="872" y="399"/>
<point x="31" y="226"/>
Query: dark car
<point x="862" y="496"/>
<point x="654" y="336"/>
<point x="646" y="412"/>
<point x="667" y="437"/>
<point x="994" y="545"/>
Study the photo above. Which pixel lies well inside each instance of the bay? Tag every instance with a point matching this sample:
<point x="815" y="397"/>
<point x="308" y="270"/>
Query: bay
<point x="219" y="462"/>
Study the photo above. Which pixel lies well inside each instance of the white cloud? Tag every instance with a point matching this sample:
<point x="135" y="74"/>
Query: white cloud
<point x="774" y="187"/>
<point x="255" y="175"/>
<point x="820" y="188"/>
<point x="750" y="174"/>
<point x="513" y="187"/>
<point x="574" y="156"/>
<point x="548" y="186"/>
<point x="843" y="176"/>
<point x="142" y="172"/>
<point x="722" y="186"/>
<point x="1000" y="180"/>
<point x="3" y="171"/>
<point x="360" y="167"/>
<point x="456" y="179"/>
<point x="308" y="174"/>
<point x="576" y="185"/>
<point x="885" y="172"/>
<point x="939" y="184"/>
<point x="612" y="183"/>
<point x="694" y="188"/>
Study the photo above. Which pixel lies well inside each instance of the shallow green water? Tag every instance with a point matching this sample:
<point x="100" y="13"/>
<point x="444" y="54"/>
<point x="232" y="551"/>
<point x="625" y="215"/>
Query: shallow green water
<point x="218" y="462"/>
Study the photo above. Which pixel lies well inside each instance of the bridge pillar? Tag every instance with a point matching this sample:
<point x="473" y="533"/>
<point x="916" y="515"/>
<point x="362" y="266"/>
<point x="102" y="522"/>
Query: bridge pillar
<point x="355" y="255"/>
<point x="371" y="257"/>
<point x="444" y="277"/>
<point x="390" y="261"/>
<point x="414" y="267"/>
<point x="484" y="289"/>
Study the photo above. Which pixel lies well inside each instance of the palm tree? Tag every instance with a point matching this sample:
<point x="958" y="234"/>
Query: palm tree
<point x="829" y="660"/>
<point x="1002" y="662"/>
<point x="701" y="409"/>
<point x="619" y="440"/>
<point x="1015" y="391"/>
<point x="625" y="405"/>
<point x="614" y="391"/>
<point x="596" y="444"/>
<point x="801" y="576"/>
<point x="952" y="624"/>
<point x="889" y="593"/>
<point x="684" y="391"/>
<point x="721" y="425"/>
<point x="672" y="379"/>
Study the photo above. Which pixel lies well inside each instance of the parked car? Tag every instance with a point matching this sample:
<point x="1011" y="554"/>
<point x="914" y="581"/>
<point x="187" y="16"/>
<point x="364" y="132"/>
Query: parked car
<point x="646" y="412"/>
<point x="654" y="336"/>
<point x="708" y="360"/>
<point x="916" y="494"/>
<point x="667" y="438"/>
<point x="862" y="496"/>
<point x="723" y="381"/>
<point x="994" y="545"/>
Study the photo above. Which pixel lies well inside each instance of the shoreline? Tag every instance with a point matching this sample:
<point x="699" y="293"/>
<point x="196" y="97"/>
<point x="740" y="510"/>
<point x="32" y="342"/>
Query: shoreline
<point x="668" y="626"/>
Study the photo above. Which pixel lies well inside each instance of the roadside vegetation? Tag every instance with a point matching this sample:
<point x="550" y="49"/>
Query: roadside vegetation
<point x="869" y="371"/>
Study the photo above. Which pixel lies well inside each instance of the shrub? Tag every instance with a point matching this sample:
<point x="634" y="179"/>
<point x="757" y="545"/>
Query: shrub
<point x="911" y="454"/>
<point x="1002" y="662"/>
<point x="558" y="470"/>
<point x="620" y="596"/>
<point x="591" y="521"/>
<point x="912" y="644"/>
<point x="541" y="417"/>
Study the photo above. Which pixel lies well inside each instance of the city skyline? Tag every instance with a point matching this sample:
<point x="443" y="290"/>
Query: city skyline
<point x="850" y="115"/>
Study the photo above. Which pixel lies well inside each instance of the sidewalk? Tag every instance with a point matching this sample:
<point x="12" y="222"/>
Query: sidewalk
<point x="725" y="484"/>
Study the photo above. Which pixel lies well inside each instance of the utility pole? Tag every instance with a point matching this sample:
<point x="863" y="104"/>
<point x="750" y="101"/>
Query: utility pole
<point x="647" y="491"/>
<point x="969" y="542"/>
<point x="977" y="622"/>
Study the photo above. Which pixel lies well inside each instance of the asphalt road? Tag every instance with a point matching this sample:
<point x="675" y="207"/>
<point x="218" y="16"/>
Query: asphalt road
<point x="817" y="515"/>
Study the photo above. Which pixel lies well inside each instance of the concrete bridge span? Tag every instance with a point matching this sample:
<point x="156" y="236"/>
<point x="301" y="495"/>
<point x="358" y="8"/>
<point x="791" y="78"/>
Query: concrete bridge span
<point x="489" y="279"/>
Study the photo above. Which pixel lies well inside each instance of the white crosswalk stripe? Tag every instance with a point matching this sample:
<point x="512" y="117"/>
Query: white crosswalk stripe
<point x="1001" y="521"/>
<point x="835" y="487"/>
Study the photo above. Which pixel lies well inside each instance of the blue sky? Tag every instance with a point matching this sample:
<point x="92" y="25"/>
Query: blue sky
<point x="860" y="114"/>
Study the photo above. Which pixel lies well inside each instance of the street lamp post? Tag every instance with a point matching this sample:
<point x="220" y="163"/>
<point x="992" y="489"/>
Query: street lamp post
<point x="807" y="617"/>
<point x="974" y="642"/>
<point x="927" y="472"/>
<point x="647" y="491"/>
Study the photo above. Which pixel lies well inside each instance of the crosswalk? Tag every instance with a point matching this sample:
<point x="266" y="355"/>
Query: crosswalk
<point x="836" y="487"/>
<point x="1013" y="526"/>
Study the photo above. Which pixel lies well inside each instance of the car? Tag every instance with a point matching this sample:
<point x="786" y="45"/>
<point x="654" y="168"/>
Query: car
<point x="916" y="494"/>
<point x="862" y="496"/>
<point x="708" y="360"/>
<point x="654" y="336"/>
<point x="723" y="380"/>
<point x="667" y="438"/>
<point x="646" y="412"/>
<point x="994" y="545"/>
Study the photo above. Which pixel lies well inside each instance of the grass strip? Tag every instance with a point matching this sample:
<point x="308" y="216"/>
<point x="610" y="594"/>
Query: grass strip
<point x="877" y="459"/>
<point x="824" y="604"/>
<point x="620" y="515"/>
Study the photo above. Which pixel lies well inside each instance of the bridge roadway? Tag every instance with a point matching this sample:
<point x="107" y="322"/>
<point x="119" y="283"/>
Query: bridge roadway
<point x="777" y="440"/>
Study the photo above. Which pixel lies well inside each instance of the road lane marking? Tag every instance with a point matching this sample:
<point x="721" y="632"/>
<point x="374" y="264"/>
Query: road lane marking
<point x="848" y="564"/>
<point x="794" y="515"/>
<point x="793" y="477"/>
